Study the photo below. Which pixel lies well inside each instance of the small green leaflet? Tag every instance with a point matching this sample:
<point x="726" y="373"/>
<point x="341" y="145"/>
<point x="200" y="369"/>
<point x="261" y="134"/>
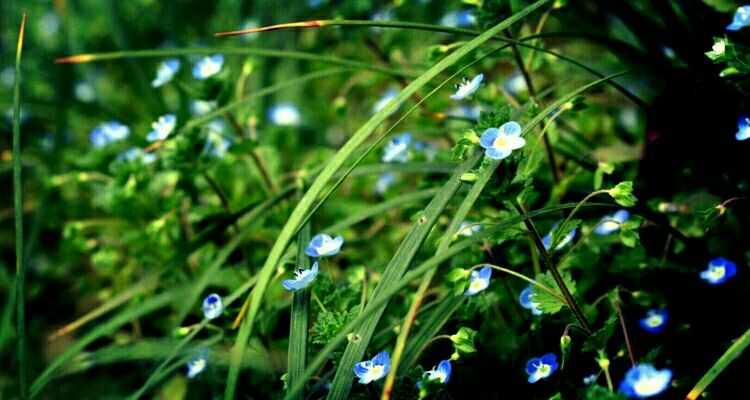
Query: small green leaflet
<point x="548" y="303"/>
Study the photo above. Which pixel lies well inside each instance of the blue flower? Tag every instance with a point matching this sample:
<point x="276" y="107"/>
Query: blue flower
<point x="467" y="229"/>
<point x="719" y="270"/>
<point x="208" y="66"/>
<point x="162" y="128"/>
<point x="217" y="144"/>
<point x="643" y="380"/>
<point x="515" y="83"/>
<point x="428" y="149"/>
<point x="526" y="302"/>
<point x="542" y="367"/>
<point x="389" y="95"/>
<point x="108" y="132"/>
<point x="165" y="72"/>
<point x="478" y="281"/>
<point x="611" y="223"/>
<point x="546" y="241"/>
<point x="302" y="278"/>
<point x="197" y="364"/>
<point x="397" y="149"/>
<point x="135" y="153"/>
<point x="466" y="111"/>
<point x="467" y="87"/>
<point x="500" y="142"/>
<point x="246" y="25"/>
<point x="323" y="245"/>
<point x="284" y="114"/>
<point x="743" y="128"/>
<point x="442" y="373"/>
<point x="741" y="19"/>
<point x="385" y="181"/>
<point x="458" y="19"/>
<point x="212" y="306"/>
<point x="654" y="321"/>
<point x="589" y="380"/>
<point x="374" y="369"/>
<point x="202" y="107"/>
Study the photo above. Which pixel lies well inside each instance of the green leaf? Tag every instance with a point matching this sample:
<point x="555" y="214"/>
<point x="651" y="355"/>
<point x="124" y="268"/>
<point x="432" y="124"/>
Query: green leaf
<point x="300" y="319"/>
<point x="623" y="194"/>
<point x="602" y="169"/>
<point x="629" y="238"/>
<point x="600" y="337"/>
<point x="547" y="302"/>
<point x="562" y="231"/>
<point x="329" y="324"/>
<point x="597" y="392"/>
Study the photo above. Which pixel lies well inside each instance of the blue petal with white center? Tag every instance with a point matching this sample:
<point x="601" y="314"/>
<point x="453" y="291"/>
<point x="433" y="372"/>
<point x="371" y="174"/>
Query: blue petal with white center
<point x="372" y="370"/>
<point x="197" y="364"/>
<point x="541" y="367"/>
<point x="743" y="128"/>
<point x="499" y="143"/>
<point x="217" y="144"/>
<point x="467" y="229"/>
<point x="546" y="241"/>
<point x="478" y="281"/>
<point x="108" y="132"/>
<point x="389" y="95"/>
<point x="611" y="223"/>
<point x="458" y="19"/>
<point x="442" y="373"/>
<point x="208" y="66"/>
<point x="526" y="302"/>
<point x="654" y="321"/>
<point x="284" y="114"/>
<point x="397" y="149"/>
<point x="465" y="111"/>
<point x="135" y="154"/>
<point x="212" y="306"/>
<point x="162" y="128"/>
<point x="165" y="72"/>
<point x="202" y="107"/>
<point x="644" y="381"/>
<point x="384" y="182"/>
<point x="741" y="19"/>
<point x="302" y="278"/>
<point x="323" y="245"/>
<point x="467" y="87"/>
<point x="718" y="271"/>
<point x="515" y="83"/>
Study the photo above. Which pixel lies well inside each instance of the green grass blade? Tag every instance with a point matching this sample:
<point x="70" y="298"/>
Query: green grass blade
<point x="103" y="329"/>
<point x="427" y="265"/>
<point x="396" y="268"/>
<point x="18" y="209"/>
<point x="428" y="328"/>
<point x="338" y="160"/>
<point x="231" y="51"/>
<point x="733" y="353"/>
<point x="298" y="329"/>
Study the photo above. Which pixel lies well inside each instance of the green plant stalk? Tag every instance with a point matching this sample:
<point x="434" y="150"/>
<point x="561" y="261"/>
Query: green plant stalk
<point x="317" y="186"/>
<point x="300" y="319"/>
<point x="556" y="238"/>
<point x="18" y="209"/>
<point x="411" y="315"/>
<point x="229" y="51"/>
<point x="427" y="265"/>
<point x="569" y="299"/>
<point x="522" y="277"/>
<point x="733" y="353"/>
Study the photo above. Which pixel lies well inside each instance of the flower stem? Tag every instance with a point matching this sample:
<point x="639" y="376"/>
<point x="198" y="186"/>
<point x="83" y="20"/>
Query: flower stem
<point x="524" y="277"/>
<point x="616" y="305"/>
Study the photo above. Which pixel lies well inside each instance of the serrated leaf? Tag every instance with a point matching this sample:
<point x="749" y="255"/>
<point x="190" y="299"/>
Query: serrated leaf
<point x="548" y="303"/>
<point x="329" y="323"/>
<point x="561" y="232"/>
<point x="600" y="337"/>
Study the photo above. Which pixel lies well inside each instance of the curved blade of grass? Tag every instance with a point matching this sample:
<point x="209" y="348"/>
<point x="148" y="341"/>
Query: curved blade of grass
<point x="18" y="209"/>
<point x="733" y="353"/>
<point x="106" y="328"/>
<point x="445" y="29"/>
<point x="338" y="160"/>
<point x="229" y="51"/>
<point x="396" y="269"/>
<point x="427" y="265"/>
<point x="298" y="327"/>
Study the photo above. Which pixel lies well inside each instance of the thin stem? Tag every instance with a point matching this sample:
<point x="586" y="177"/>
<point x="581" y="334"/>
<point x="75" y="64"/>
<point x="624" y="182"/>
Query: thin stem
<point x="532" y="93"/>
<point x="569" y="299"/>
<point x="542" y="135"/>
<point x="580" y="204"/>
<point x="317" y="300"/>
<point x="524" y="277"/>
<point x="18" y="206"/>
<point x="585" y="237"/>
<point x="436" y="338"/>
<point x="539" y="26"/>
<point x="609" y="378"/>
<point x="616" y="305"/>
